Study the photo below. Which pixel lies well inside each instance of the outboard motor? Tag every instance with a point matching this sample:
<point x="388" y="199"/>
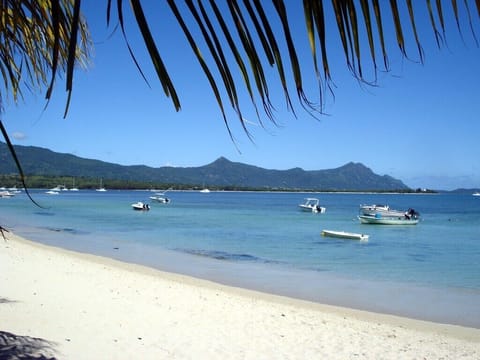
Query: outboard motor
<point x="411" y="213"/>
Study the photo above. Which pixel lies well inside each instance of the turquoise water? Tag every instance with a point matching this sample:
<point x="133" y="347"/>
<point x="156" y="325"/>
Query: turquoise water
<point x="262" y="241"/>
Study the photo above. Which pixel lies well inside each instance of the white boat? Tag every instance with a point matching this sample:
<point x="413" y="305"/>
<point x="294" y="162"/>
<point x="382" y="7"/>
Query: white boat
<point x="140" y="206"/>
<point x="476" y="193"/>
<point x="205" y="191"/>
<point x="344" y="235"/>
<point x="388" y="220"/>
<point x="6" y="194"/>
<point x="74" y="188"/>
<point x="161" y="198"/>
<point x="101" y="188"/>
<point x="14" y="190"/>
<point x="312" y="205"/>
<point x="384" y="210"/>
<point x="52" y="192"/>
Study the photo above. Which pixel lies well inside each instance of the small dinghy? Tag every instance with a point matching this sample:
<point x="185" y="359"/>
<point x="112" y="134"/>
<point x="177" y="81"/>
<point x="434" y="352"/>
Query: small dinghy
<point x="344" y="235"/>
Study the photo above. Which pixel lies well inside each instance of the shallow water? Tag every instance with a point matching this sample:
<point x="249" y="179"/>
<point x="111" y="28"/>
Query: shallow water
<point x="262" y="241"/>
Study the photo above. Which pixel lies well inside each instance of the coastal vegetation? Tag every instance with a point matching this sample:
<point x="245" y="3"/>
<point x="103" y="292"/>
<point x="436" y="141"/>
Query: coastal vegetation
<point x="84" y="183"/>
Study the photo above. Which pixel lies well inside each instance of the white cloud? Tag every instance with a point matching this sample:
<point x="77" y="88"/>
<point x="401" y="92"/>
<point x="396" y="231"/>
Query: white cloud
<point x="17" y="135"/>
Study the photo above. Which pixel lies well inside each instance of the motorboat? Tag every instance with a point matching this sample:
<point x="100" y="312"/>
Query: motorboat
<point x="161" y="198"/>
<point x="205" y="191"/>
<point x="52" y="192"/>
<point x="368" y="219"/>
<point x="345" y="235"/>
<point x="379" y="209"/>
<point x="140" y="206"/>
<point x="476" y="193"/>
<point x="410" y="217"/>
<point x="312" y="205"/>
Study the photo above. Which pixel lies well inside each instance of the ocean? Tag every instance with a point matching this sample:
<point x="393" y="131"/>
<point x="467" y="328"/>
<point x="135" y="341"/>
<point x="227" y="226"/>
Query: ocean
<point x="261" y="241"/>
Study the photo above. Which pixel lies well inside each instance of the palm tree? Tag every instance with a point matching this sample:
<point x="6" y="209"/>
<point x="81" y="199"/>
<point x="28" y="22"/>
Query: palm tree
<point x="39" y="40"/>
<point x="42" y="39"/>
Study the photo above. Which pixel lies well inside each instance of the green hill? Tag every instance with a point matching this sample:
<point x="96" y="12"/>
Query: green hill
<point x="220" y="173"/>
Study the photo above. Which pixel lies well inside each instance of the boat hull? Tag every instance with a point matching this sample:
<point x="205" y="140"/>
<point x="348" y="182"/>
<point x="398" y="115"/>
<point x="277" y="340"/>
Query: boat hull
<point x="366" y="219"/>
<point x="344" y="235"/>
<point x="139" y="206"/>
<point x="159" y="199"/>
<point x="314" y="209"/>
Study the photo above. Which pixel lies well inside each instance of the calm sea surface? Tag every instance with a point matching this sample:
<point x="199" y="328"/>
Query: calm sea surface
<point x="262" y="241"/>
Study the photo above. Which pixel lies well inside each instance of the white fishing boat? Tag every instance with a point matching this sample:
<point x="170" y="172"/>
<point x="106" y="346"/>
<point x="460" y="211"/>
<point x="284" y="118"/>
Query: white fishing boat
<point x="312" y="205"/>
<point x="388" y="220"/>
<point x="345" y="235"/>
<point x="384" y="210"/>
<point x="140" y="206"/>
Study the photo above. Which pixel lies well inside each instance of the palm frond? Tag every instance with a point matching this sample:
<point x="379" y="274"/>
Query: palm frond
<point x="38" y="39"/>
<point x="157" y="61"/>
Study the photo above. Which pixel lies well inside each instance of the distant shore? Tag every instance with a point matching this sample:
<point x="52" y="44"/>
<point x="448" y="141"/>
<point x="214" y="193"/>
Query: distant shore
<point x="62" y="304"/>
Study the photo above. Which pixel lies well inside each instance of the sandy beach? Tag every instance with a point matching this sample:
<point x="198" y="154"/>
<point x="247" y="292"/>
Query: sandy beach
<point x="65" y="305"/>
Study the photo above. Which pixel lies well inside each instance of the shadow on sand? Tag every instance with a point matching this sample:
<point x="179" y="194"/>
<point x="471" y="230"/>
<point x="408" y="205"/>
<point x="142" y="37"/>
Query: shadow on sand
<point x="13" y="347"/>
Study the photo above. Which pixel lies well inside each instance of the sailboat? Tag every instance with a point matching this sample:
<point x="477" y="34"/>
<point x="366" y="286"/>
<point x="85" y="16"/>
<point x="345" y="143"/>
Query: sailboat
<point x="73" y="186"/>
<point x="101" y="188"/>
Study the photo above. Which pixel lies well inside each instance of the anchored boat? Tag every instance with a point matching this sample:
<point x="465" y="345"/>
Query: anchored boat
<point x="312" y="205"/>
<point x="344" y="235"/>
<point x="381" y="220"/>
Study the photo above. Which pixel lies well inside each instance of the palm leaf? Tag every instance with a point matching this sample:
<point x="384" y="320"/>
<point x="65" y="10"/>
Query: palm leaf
<point x="236" y="54"/>
<point x="122" y="27"/>
<point x="273" y="46"/>
<point x="162" y="72"/>
<point x="438" y="37"/>
<point x="414" y="28"/>
<point x="202" y="62"/>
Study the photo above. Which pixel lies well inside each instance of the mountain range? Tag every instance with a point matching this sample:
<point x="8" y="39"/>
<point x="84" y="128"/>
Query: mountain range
<point x="220" y="173"/>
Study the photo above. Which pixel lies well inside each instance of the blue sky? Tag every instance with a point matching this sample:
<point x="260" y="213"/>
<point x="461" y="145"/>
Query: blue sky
<point x="420" y="123"/>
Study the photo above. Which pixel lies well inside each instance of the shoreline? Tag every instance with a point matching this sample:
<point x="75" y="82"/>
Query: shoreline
<point x="76" y="305"/>
<point x="416" y="301"/>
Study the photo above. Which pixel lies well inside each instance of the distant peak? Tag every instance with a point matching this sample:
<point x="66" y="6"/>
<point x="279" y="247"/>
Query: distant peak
<point x="352" y="164"/>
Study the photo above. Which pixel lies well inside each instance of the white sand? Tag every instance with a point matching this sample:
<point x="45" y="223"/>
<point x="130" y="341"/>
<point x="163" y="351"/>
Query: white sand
<point x="66" y="305"/>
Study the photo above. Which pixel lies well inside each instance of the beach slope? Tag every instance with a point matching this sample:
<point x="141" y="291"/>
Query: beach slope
<point x="60" y="304"/>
